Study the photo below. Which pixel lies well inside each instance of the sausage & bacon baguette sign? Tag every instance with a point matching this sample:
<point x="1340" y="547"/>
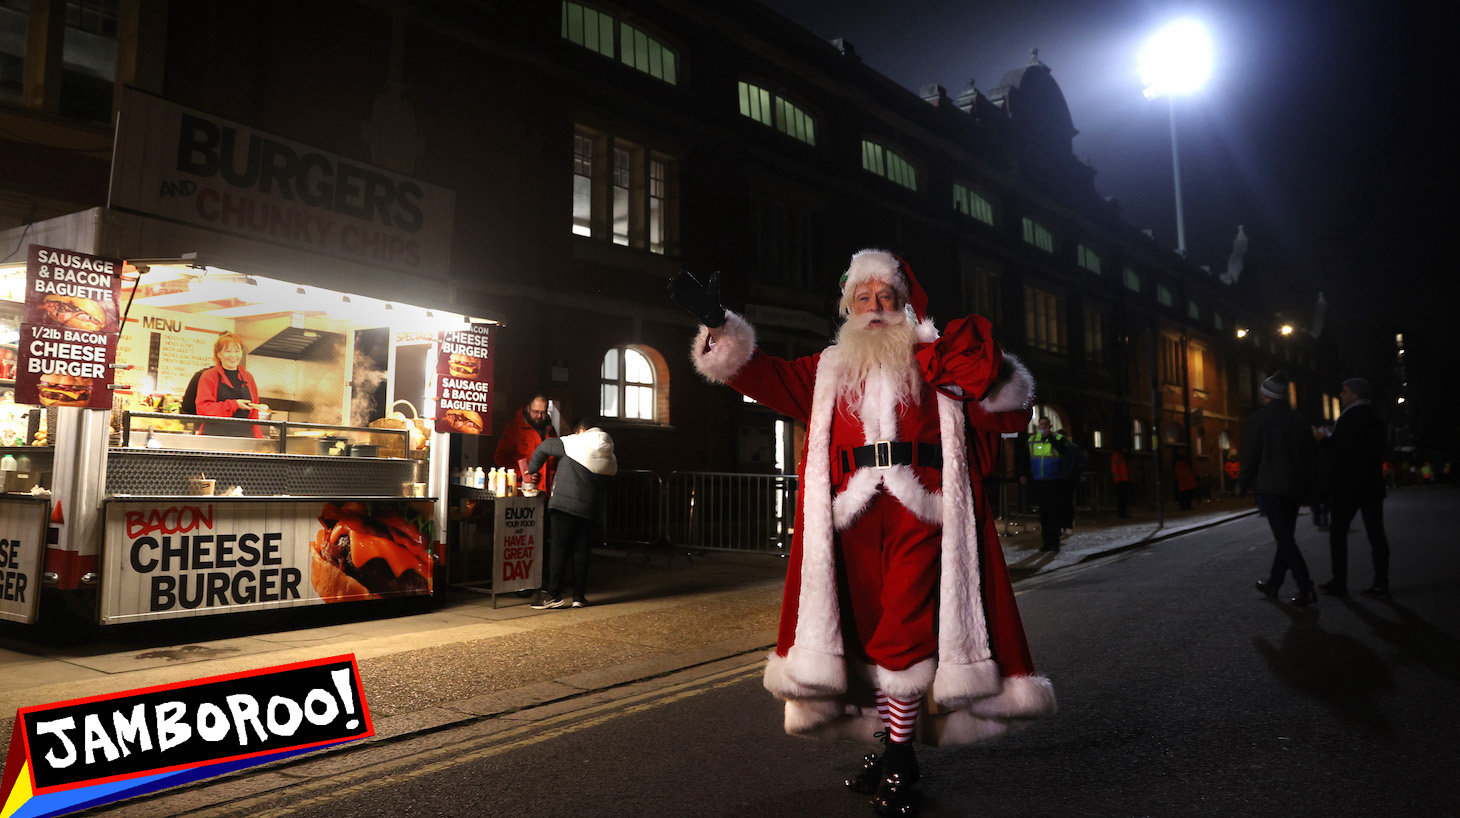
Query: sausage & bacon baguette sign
<point x="464" y="382"/>
<point x="68" y="336"/>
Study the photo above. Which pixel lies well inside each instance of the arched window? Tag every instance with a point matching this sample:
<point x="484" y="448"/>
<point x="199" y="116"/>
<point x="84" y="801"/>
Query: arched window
<point x="628" y="385"/>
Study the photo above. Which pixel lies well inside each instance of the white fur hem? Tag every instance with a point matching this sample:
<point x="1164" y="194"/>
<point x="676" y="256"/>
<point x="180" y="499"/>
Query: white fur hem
<point x="816" y="671"/>
<point x="905" y="684"/>
<point x="956" y="686"/>
<point x="1023" y="697"/>
<point x="730" y="353"/>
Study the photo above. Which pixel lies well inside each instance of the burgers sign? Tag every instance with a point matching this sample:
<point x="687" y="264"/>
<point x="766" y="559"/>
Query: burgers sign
<point x="68" y="337"/>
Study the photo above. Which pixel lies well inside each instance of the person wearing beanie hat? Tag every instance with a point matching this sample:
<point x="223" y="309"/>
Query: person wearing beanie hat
<point x="896" y="588"/>
<point x="1278" y="460"/>
<point x="1355" y="451"/>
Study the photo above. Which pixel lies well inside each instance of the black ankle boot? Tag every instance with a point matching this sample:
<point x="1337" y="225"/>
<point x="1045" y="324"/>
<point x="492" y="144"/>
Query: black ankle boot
<point x="869" y="775"/>
<point x="896" y="794"/>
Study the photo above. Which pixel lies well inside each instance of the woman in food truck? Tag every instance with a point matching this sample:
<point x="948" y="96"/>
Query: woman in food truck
<point x="227" y="390"/>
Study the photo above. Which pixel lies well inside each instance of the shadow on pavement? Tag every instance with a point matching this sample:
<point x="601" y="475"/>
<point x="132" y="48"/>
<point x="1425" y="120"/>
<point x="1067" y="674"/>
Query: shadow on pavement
<point x="1337" y="669"/>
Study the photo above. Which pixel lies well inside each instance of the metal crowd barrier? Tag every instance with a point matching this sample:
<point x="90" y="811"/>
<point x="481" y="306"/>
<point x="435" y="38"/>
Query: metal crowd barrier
<point x="635" y="509"/>
<point x="723" y="511"/>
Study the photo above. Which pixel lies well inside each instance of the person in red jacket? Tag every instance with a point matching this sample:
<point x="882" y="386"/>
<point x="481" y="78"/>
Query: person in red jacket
<point x="1186" y="483"/>
<point x="528" y="428"/>
<point x="1120" y="475"/>
<point x="227" y="390"/>
<point x="896" y="593"/>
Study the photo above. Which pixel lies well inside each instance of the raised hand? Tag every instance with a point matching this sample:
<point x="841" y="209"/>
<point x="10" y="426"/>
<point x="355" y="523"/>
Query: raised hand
<point x="701" y="300"/>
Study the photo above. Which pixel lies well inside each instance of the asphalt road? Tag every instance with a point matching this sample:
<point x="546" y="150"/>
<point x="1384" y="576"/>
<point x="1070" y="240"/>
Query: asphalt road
<point x="1182" y="692"/>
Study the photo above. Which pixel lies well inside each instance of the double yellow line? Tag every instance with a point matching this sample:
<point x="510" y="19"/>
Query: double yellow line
<point x="426" y="762"/>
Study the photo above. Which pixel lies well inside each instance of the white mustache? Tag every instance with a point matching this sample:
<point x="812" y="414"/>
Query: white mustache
<point x="890" y="318"/>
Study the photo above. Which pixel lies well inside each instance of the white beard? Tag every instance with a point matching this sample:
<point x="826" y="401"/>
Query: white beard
<point x="887" y="350"/>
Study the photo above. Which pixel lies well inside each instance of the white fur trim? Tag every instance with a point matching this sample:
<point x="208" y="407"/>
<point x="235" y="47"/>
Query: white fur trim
<point x="730" y="353"/>
<point x="961" y="727"/>
<point x="905" y="684"/>
<point x="819" y="671"/>
<point x="818" y="615"/>
<point x="881" y="265"/>
<point x="963" y="637"/>
<point x="830" y="719"/>
<point x="1013" y="390"/>
<point x="957" y="685"/>
<point x="1023" y="697"/>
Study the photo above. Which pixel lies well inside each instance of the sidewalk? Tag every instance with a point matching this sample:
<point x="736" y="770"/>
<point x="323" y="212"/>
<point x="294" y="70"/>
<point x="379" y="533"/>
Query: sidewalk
<point x="460" y="660"/>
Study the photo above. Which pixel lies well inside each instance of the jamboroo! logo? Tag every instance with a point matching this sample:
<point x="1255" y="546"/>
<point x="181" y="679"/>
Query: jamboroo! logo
<point x="72" y="755"/>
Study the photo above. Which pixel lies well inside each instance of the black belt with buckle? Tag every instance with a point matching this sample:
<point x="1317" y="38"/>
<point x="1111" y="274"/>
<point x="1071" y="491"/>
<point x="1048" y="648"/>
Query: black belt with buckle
<point x="884" y="454"/>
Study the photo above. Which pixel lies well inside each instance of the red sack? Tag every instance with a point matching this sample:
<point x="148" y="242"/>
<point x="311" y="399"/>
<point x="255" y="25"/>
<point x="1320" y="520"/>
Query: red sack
<point x="964" y="362"/>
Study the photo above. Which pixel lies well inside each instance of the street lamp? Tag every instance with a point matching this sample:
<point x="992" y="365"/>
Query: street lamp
<point x="1287" y="329"/>
<point x="1176" y="60"/>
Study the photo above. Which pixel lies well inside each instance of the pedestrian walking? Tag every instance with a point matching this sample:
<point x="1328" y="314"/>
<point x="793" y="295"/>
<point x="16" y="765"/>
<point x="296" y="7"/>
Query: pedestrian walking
<point x="1355" y="452"/>
<point x="1277" y="463"/>
<point x="896" y="589"/>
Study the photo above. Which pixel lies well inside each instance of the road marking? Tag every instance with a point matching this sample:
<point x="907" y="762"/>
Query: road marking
<point x="370" y="777"/>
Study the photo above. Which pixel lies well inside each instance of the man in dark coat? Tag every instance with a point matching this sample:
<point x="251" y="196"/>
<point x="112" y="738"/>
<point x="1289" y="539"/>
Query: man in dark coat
<point x="1277" y="461"/>
<point x="1356" y="485"/>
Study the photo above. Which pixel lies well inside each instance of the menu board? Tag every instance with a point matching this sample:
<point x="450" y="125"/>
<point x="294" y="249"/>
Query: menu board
<point x="68" y="333"/>
<point x="464" y="381"/>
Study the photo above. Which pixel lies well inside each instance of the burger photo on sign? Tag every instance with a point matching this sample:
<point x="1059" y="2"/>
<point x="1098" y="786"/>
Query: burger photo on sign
<point x="73" y="313"/>
<point x="64" y="390"/>
<point x="365" y="553"/>
<point x="464" y="366"/>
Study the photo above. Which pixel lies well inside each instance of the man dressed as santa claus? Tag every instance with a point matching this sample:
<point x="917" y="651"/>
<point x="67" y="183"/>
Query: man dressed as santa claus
<point x="898" y="620"/>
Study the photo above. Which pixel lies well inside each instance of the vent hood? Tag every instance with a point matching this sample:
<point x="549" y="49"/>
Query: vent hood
<point x="294" y="336"/>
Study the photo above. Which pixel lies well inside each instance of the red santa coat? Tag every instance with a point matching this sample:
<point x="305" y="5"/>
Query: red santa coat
<point x="982" y="679"/>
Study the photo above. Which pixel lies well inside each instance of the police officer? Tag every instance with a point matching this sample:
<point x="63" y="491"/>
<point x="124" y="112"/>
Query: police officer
<point x="1051" y="491"/>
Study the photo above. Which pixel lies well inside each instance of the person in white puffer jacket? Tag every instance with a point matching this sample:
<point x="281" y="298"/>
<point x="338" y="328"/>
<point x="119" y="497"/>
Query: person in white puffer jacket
<point x="585" y="463"/>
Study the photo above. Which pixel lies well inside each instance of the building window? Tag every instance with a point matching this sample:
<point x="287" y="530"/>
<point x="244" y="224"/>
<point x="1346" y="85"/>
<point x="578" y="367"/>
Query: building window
<point x="1088" y="258"/>
<point x="14" y="28"/>
<point x="1170" y="360"/>
<point x="594" y="30"/>
<point x="1044" y="320"/>
<point x="1196" y="368"/>
<point x="972" y="204"/>
<point x="630" y="199"/>
<point x="628" y="385"/>
<point x="1163" y="295"/>
<point x="1217" y="321"/>
<point x="1097" y="437"/>
<point x="1038" y="235"/>
<point x="985" y="291"/>
<point x="888" y="163"/>
<point x="1137" y="436"/>
<point x="1094" y="336"/>
<point x="778" y="112"/>
<point x="1193" y="309"/>
<point x="1132" y="281"/>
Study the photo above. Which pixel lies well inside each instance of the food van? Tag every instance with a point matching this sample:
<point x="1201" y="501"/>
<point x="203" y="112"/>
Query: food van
<point x="112" y="497"/>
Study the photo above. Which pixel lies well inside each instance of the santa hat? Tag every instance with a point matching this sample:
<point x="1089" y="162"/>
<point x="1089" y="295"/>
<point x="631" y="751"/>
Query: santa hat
<point x="880" y="265"/>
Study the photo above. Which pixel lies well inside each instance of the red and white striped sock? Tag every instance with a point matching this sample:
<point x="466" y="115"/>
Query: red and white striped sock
<point x="902" y="717"/>
<point x="882" y="709"/>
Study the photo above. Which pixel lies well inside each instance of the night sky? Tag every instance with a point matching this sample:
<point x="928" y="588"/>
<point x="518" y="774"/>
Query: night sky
<point x="1319" y="132"/>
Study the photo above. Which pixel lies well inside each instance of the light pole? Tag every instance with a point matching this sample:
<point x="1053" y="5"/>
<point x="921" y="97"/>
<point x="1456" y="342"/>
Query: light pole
<point x="1176" y="60"/>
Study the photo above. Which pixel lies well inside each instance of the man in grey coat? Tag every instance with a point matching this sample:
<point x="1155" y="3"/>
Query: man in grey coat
<point x="1277" y="461"/>
<point x="585" y="463"/>
<point x="1356" y="449"/>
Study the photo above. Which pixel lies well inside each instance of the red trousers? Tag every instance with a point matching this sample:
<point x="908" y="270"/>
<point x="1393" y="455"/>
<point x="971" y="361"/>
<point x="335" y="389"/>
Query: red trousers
<point x="887" y="577"/>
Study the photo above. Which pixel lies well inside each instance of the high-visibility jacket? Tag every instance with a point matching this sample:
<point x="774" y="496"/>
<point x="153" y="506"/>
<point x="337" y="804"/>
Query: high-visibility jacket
<point x="1044" y="455"/>
<point x="1119" y="469"/>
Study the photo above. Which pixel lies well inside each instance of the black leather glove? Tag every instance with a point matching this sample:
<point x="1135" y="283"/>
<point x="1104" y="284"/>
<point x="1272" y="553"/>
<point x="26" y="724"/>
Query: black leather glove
<point x="702" y="301"/>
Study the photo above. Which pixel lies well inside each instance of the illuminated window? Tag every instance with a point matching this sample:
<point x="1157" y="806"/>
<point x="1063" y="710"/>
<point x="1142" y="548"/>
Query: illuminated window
<point x="1088" y="258"/>
<point x="972" y="204"/>
<point x="627" y="385"/>
<point x="1163" y="295"/>
<point x="1038" y="235"/>
<point x="594" y="30"/>
<point x="1132" y="281"/>
<point x="629" y="198"/>
<point x="1170" y="360"/>
<point x="888" y="163"/>
<point x="1137" y="436"/>
<point x="1216" y="320"/>
<point x="1193" y="309"/>
<point x="778" y="112"/>
<point x="1044" y="320"/>
<point x="1197" y="366"/>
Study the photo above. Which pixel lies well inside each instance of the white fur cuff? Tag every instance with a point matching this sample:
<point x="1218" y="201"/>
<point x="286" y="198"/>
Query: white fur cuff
<point x="905" y="684"/>
<point x="1014" y="388"/>
<point x="956" y="686"/>
<point x="733" y="348"/>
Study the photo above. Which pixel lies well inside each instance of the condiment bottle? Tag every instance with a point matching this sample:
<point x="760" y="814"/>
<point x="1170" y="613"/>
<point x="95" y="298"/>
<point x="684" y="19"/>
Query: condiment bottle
<point x="7" y="463"/>
<point x="511" y="482"/>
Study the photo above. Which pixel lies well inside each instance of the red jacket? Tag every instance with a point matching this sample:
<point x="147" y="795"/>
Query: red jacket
<point x="209" y="404"/>
<point x="517" y="444"/>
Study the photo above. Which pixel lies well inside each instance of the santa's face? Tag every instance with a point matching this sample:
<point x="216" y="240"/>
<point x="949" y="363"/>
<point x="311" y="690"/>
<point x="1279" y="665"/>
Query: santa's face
<point x="877" y="298"/>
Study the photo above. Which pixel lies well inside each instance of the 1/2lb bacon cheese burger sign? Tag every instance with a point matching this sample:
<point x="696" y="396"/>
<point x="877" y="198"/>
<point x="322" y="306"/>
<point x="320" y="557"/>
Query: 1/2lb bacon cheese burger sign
<point x="68" y="336"/>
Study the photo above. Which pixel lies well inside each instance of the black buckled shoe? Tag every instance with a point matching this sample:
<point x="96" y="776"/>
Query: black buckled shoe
<point x="897" y="794"/>
<point x="1306" y="596"/>
<point x="866" y="779"/>
<point x="1266" y="589"/>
